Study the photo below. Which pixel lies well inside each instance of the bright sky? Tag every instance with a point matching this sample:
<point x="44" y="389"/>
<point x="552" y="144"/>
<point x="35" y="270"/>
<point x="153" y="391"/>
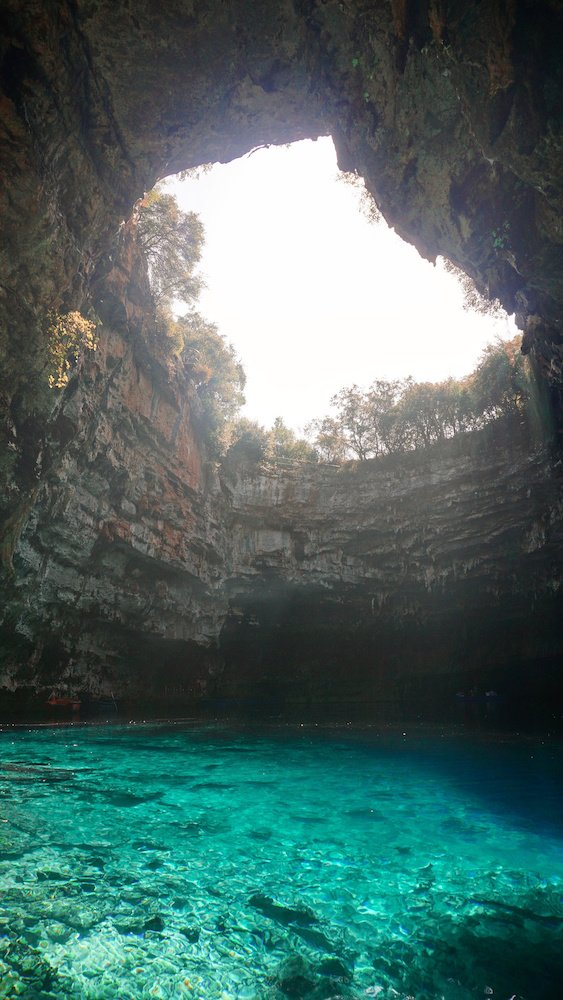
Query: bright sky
<point x="313" y="296"/>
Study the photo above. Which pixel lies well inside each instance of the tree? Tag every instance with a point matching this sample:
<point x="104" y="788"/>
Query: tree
<point x="68" y="335"/>
<point x="455" y="405"/>
<point x="364" y="417"/>
<point x="401" y="415"/>
<point x="326" y="434"/>
<point x="249" y="439"/>
<point x="286" y="445"/>
<point x="354" y="420"/>
<point x="280" y="443"/>
<point x="473" y="299"/>
<point x="366" y="201"/>
<point x="216" y="372"/>
<point x="500" y="385"/>
<point x="172" y="242"/>
<point x="419" y="417"/>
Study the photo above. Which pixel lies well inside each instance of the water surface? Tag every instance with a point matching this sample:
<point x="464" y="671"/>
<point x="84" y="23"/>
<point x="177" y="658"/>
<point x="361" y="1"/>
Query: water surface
<point x="147" y="861"/>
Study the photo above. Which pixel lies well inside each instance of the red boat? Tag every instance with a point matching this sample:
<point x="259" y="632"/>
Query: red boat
<point x="64" y="701"/>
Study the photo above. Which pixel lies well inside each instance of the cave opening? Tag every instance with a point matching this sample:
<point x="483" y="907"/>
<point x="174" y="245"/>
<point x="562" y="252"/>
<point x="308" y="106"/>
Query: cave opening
<point x="313" y="289"/>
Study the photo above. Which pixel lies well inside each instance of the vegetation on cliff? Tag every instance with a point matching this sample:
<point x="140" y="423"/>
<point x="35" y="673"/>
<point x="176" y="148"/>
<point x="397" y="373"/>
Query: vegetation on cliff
<point x="392" y="416"/>
<point x="249" y="439"/>
<point x="68" y="335"/>
<point x="171" y="241"/>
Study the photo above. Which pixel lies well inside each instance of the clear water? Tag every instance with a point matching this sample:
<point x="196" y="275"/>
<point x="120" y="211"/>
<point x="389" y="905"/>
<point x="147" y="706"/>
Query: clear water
<point x="173" y="862"/>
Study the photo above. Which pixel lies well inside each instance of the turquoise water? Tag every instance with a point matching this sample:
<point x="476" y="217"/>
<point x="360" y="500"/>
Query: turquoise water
<point x="146" y="861"/>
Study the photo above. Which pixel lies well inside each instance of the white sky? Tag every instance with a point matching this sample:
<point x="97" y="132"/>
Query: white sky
<point x="314" y="297"/>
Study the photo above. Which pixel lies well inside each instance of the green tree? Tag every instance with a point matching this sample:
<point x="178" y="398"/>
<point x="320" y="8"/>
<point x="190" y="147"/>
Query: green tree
<point x="329" y="442"/>
<point x="454" y="400"/>
<point x="500" y="385"/>
<point x="172" y="242"/>
<point x="68" y="334"/>
<point x="382" y="398"/>
<point x="401" y="415"/>
<point x="279" y="443"/>
<point x="364" y="417"/>
<point x="216" y="372"/>
<point x="285" y="444"/>
<point x="473" y="299"/>
<point x="354" y="418"/>
<point x="249" y="439"/>
<point x="418" y="414"/>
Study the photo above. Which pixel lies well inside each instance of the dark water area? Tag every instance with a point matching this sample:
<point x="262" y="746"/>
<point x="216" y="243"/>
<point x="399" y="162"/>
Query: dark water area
<point x="211" y="861"/>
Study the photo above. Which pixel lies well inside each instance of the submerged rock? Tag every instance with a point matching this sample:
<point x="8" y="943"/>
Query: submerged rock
<point x="155" y="923"/>
<point x="295" y="977"/>
<point x="335" y="968"/>
<point x="191" y="933"/>
<point x="302" y="916"/>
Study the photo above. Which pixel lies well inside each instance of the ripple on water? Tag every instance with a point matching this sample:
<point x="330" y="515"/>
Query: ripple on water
<point x="147" y="862"/>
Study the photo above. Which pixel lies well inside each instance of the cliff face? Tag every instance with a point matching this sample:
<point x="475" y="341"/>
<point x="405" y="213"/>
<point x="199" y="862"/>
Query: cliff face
<point x="146" y="571"/>
<point x="121" y="542"/>
<point x="137" y="567"/>
<point x="395" y="579"/>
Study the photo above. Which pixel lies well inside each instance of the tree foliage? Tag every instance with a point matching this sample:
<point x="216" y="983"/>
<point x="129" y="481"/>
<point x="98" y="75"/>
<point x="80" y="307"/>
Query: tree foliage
<point x="68" y="335"/>
<point x="215" y="371"/>
<point x="403" y="415"/>
<point x="280" y="443"/>
<point x="473" y="299"/>
<point x="172" y="242"/>
<point x="500" y="385"/>
<point x="287" y="446"/>
<point x="366" y="201"/>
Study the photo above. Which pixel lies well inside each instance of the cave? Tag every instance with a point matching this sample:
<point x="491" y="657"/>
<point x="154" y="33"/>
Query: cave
<point x="327" y="700"/>
<point x="122" y="545"/>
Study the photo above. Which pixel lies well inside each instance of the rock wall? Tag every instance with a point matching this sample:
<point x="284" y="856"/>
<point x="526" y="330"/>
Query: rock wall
<point x="146" y="570"/>
<point x="396" y="580"/>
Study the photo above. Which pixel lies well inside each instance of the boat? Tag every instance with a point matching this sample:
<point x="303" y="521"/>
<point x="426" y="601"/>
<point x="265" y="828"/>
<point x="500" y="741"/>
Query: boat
<point x="63" y="701"/>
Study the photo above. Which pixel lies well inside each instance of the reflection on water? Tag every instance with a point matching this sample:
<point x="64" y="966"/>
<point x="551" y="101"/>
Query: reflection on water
<point x="166" y="862"/>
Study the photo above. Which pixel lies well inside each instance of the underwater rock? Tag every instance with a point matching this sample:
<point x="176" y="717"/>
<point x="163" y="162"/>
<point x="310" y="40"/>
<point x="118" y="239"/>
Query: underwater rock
<point x="313" y="937"/>
<point x="124" y="798"/>
<point x="51" y="876"/>
<point x="260" y="833"/>
<point x="295" y="977"/>
<point x="335" y="969"/>
<point x="212" y="786"/>
<point x="191" y="933"/>
<point x="285" y="915"/>
<point x="521" y="913"/>
<point x="139" y="925"/>
<point x="154" y="865"/>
